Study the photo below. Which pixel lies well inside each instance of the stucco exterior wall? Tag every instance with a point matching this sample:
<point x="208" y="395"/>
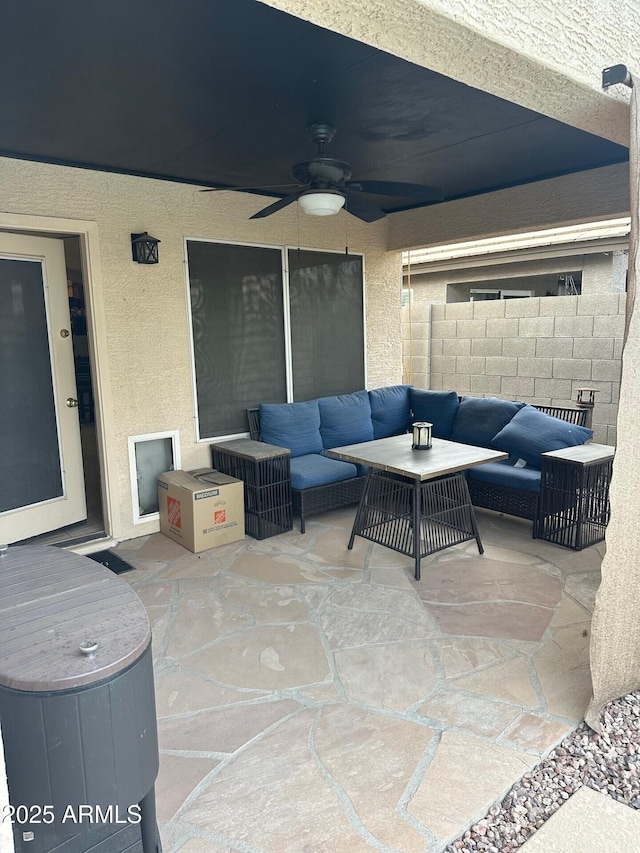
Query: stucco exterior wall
<point x="146" y="376"/>
<point x="547" y="56"/>
<point x="535" y="350"/>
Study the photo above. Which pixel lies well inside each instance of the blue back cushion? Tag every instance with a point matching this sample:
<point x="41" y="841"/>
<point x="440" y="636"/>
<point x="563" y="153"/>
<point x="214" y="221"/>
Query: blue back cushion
<point x="436" y="407"/>
<point x="345" y="419"/>
<point x="479" y="419"/>
<point x="390" y="410"/>
<point x="292" y="425"/>
<point x="531" y="432"/>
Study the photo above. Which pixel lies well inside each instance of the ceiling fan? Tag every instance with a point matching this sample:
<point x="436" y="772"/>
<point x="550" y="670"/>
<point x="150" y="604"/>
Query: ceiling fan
<point x="324" y="186"/>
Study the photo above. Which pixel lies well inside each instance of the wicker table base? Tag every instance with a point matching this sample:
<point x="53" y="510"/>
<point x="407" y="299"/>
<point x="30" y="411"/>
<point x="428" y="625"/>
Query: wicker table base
<point x="415" y="518"/>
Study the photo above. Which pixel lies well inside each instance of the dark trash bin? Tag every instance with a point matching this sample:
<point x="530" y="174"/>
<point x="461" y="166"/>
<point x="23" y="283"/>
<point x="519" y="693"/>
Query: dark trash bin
<point x="77" y="706"/>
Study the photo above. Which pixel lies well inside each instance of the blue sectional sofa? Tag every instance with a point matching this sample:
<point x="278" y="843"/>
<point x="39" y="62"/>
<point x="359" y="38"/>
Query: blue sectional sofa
<point x="320" y="483"/>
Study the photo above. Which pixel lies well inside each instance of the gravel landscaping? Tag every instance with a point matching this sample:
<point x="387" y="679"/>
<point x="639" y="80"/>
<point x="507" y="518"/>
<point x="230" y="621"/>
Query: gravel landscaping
<point x="608" y="762"/>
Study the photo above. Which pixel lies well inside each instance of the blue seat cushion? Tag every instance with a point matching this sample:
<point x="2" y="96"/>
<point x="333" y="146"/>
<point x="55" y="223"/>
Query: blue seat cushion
<point x="480" y="419"/>
<point x="316" y="470"/>
<point x="504" y="474"/>
<point x="436" y="407"/>
<point x="292" y="425"/>
<point x="531" y="432"/>
<point x="390" y="410"/>
<point x="345" y="419"/>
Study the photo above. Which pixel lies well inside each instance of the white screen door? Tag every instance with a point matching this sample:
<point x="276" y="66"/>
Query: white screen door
<point x="41" y="477"/>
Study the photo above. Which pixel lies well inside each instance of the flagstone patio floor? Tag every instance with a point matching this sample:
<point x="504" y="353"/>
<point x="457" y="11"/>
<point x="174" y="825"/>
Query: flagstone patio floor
<point x="312" y="699"/>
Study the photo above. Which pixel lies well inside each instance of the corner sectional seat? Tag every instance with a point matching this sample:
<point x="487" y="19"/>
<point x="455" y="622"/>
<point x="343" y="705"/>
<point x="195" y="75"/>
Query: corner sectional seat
<point x="320" y="483"/>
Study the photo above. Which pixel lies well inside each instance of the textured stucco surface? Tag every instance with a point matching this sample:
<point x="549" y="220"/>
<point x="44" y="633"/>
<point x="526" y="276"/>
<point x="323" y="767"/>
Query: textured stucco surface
<point x="571" y="199"/>
<point x="145" y="351"/>
<point x="546" y="56"/>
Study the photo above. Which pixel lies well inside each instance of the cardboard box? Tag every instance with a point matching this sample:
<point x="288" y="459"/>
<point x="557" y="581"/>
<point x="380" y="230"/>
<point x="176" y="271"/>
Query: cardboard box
<point x="201" y="509"/>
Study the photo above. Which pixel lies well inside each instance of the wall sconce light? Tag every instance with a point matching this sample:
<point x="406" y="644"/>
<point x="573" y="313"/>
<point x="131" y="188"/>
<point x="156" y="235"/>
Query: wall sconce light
<point x="421" y="436"/>
<point x="144" y="248"/>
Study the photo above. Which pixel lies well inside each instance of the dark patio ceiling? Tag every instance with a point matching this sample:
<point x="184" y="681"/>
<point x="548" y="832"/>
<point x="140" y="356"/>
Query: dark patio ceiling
<point x="217" y="92"/>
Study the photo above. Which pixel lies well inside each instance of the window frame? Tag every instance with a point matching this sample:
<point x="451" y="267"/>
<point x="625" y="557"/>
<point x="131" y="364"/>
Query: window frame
<point x="284" y="250"/>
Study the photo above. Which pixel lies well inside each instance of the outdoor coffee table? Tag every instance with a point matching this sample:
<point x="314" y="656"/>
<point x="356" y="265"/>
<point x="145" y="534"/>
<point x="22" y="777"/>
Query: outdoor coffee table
<point x="416" y="502"/>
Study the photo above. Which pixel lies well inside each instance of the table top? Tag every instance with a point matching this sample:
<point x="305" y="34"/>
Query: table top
<point x="395" y="455"/>
<point x="583" y="454"/>
<point x="51" y="601"/>
<point x="246" y="448"/>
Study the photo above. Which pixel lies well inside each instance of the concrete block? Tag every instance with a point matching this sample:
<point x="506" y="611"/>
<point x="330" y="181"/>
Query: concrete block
<point x="516" y="387"/>
<point x="553" y="347"/>
<point x="558" y="306"/>
<point x="456" y="346"/>
<point x="476" y="328"/>
<point x="606" y="369"/>
<point x="459" y="311"/>
<point x="615" y="392"/>
<point x="535" y="327"/>
<point x="438" y="310"/>
<point x="456" y="382"/>
<point x="572" y="368"/>
<point x="612" y="435"/>
<point x="605" y="413"/>
<point x="436" y="381"/>
<point x="420" y="366"/>
<point x="600" y="433"/>
<point x="501" y="366"/>
<point x="593" y="348"/>
<point x="598" y="304"/>
<point x="482" y="384"/>
<point x="622" y="303"/>
<point x="443" y="329"/>
<point x="470" y="364"/>
<point x="505" y="328"/>
<point x="529" y="307"/>
<point x="490" y="308"/>
<point x="486" y="346"/>
<point x="574" y="327"/>
<point x="437" y="346"/>
<point x="610" y="326"/>
<point x="559" y="388"/>
<point x="617" y="347"/>
<point x="518" y="347"/>
<point x="421" y="346"/>
<point x="541" y="368"/>
<point x="443" y="363"/>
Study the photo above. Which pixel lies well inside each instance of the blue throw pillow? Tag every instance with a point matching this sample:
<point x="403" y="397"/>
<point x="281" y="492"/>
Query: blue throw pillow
<point x="436" y="407"/>
<point x="532" y="432"/>
<point x="480" y="419"/>
<point x="345" y="419"/>
<point x="390" y="410"/>
<point x="292" y="425"/>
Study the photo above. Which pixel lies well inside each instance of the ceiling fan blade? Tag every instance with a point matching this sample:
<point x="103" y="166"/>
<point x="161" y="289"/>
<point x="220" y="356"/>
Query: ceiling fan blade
<point x="276" y="206"/>
<point x="362" y="208"/>
<point x="397" y="188"/>
<point x="249" y="189"/>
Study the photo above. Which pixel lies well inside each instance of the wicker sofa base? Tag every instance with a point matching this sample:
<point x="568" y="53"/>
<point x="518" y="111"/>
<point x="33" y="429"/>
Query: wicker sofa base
<point x="518" y="502"/>
<point x="319" y="499"/>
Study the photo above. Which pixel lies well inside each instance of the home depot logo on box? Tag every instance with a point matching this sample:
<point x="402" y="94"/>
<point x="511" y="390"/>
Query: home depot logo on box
<point x="173" y="512"/>
<point x="220" y="516"/>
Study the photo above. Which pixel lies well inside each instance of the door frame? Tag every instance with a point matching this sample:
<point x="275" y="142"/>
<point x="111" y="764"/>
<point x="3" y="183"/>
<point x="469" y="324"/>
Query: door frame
<point x="87" y="231"/>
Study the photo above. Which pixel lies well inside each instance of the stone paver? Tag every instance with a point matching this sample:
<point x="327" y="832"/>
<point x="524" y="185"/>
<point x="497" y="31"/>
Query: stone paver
<point x="313" y="699"/>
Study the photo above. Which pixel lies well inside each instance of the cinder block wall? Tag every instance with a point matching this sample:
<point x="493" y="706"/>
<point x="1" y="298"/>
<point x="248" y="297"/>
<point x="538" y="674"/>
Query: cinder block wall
<point x="537" y="350"/>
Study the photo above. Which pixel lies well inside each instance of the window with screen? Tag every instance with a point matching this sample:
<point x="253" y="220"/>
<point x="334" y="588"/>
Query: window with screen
<point x="260" y="335"/>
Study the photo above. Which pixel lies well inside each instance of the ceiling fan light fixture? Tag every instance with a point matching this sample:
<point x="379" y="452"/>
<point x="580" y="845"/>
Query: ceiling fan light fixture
<point x="321" y="202"/>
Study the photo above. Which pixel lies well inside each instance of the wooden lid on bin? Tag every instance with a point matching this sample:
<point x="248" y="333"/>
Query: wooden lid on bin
<point x="52" y="602"/>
